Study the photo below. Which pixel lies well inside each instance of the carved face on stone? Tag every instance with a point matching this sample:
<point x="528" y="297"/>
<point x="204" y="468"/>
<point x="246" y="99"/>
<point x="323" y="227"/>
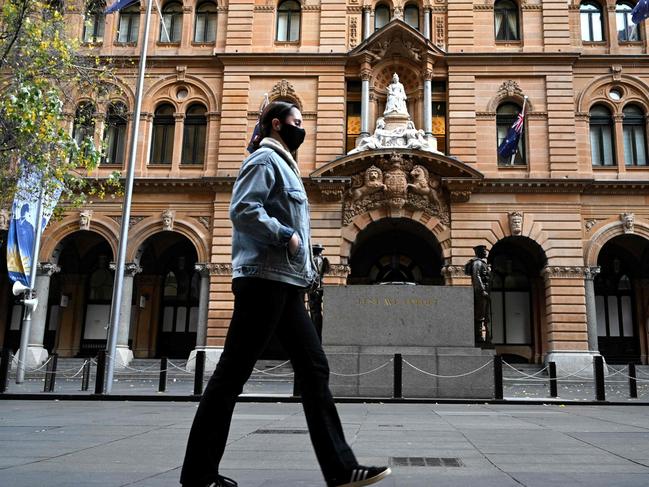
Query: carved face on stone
<point x="373" y="175"/>
<point x="84" y="219"/>
<point x="4" y="220"/>
<point x="516" y="223"/>
<point x="419" y="172"/>
<point x="395" y="78"/>
<point x="167" y="220"/>
<point x="628" y="220"/>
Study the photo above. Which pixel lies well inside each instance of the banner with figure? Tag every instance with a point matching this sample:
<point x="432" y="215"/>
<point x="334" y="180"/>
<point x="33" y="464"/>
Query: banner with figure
<point x="21" y="235"/>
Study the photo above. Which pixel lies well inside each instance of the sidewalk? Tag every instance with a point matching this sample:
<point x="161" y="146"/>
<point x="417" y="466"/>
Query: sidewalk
<point x="64" y="444"/>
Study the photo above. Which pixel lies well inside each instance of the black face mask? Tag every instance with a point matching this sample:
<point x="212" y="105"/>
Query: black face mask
<point x="292" y="136"/>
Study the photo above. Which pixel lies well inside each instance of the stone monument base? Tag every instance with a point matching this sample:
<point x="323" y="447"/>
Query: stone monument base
<point x="444" y="361"/>
<point x="212" y="356"/>
<point x="430" y="326"/>
<point x="35" y="357"/>
<point x="395" y="121"/>
<point x="578" y="363"/>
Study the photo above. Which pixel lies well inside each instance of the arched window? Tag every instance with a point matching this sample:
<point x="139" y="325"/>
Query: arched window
<point x="411" y="15"/>
<point x="635" y="136"/>
<point x="171" y="24"/>
<point x="115" y="133"/>
<point x="627" y="31"/>
<point x="288" y="21"/>
<point x="381" y="16"/>
<point x="194" y="135"/>
<point x="83" y="129"/>
<point x="601" y="136"/>
<point x="506" y="21"/>
<point x="205" y="29"/>
<point x="129" y="24"/>
<point x="505" y="117"/>
<point x="162" y="142"/>
<point x="93" y="21"/>
<point x="592" y="22"/>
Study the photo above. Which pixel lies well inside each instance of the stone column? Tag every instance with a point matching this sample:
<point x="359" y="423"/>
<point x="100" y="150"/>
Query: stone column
<point x="567" y="332"/>
<point x="365" y="102"/>
<point x="428" y="104"/>
<point x="36" y="353"/>
<point x="591" y="309"/>
<point x="366" y="22"/>
<point x="427" y="23"/>
<point x="123" y="354"/>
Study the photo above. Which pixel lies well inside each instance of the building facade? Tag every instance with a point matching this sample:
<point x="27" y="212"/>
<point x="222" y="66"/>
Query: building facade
<point x="565" y="219"/>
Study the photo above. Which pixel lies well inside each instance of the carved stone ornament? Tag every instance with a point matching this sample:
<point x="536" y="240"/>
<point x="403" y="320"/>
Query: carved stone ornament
<point x="47" y="269"/>
<point x="220" y="269"/>
<point x="168" y="220"/>
<point x="84" y="219"/>
<point x="589" y="224"/>
<point x="396" y="183"/>
<point x="510" y="88"/>
<point x="4" y="219"/>
<point x="516" y="222"/>
<point x="628" y="221"/>
<point x="338" y="270"/>
<point x="284" y="89"/>
<point x="453" y="271"/>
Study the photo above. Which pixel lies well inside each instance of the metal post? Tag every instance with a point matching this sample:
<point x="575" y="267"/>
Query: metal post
<point x="4" y="369"/>
<point x="600" y="391"/>
<point x="398" y="376"/>
<point x="498" y="377"/>
<point x="116" y="302"/>
<point x="101" y="369"/>
<point x="50" y="374"/>
<point x="162" y="384"/>
<point x="553" y="379"/>
<point x="633" y="383"/>
<point x="198" y="372"/>
<point x="29" y="294"/>
<point x="85" y="377"/>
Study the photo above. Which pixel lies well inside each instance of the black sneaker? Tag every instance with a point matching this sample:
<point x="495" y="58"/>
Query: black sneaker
<point x="360" y="475"/>
<point x="223" y="482"/>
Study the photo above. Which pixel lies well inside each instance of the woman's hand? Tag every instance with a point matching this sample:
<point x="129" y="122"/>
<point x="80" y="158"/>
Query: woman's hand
<point x="294" y="244"/>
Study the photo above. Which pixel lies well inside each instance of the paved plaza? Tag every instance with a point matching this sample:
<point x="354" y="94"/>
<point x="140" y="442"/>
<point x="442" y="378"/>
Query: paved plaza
<point x="101" y="443"/>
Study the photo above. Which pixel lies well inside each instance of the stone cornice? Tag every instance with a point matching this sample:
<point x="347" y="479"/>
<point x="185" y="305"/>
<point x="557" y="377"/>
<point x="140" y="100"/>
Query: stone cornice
<point x="580" y="186"/>
<point x="47" y="269"/>
<point x="219" y="269"/>
<point x="283" y="59"/>
<point x="338" y="270"/>
<point x="354" y="9"/>
<point x="453" y="271"/>
<point x="565" y="272"/>
<point x="264" y="8"/>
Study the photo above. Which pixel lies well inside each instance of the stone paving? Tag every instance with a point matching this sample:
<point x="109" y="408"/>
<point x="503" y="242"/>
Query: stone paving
<point x="141" y="444"/>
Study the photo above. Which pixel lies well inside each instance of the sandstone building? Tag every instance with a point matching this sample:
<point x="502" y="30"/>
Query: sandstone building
<point x="566" y="219"/>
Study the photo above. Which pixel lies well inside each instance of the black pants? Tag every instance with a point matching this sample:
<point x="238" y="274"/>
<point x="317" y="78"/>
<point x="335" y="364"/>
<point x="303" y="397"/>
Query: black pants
<point x="261" y="308"/>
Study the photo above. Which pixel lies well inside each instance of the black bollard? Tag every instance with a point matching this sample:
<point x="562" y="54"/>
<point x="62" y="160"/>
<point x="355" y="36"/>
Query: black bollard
<point x="162" y="385"/>
<point x="598" y="365"/>
<point x="101" y="369"/>
<point x="498" y="377"/>
<point x="553" y="379"/>
<point x="5" y="359"/>
<point x="198" y="372"/>
<point x="398" y="376"/>
<point x="50" y="374"/>
<point x="633" y="383"/>
<point x="85" y="376"/>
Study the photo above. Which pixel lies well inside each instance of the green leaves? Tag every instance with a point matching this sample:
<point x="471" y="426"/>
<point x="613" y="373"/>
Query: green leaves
<point x="42" y="74"/>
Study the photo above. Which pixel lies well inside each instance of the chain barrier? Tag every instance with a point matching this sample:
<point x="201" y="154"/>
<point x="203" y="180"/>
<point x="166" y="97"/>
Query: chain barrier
<point x="575" y="374"/>
<point x="364" y="373"/>
<point x="447" y="376"/>
<point x="182" y="369"/>
<point x="36" y="369"/>
<point x="526" y="376"/>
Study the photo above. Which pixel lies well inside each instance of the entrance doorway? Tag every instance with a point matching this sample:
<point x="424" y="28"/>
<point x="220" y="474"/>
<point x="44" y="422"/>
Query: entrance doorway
<point x="396" y="250"/>
<point x="618" y="298"/>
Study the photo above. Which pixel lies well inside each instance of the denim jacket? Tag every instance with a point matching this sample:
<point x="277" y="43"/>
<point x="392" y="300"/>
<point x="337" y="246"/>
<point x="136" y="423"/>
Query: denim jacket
<point x="269" y="204"/>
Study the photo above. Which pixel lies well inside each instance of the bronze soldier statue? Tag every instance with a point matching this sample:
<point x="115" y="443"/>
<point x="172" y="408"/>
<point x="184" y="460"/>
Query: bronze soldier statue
<point x="480" y="272"/>
<point x="316" y="291"/>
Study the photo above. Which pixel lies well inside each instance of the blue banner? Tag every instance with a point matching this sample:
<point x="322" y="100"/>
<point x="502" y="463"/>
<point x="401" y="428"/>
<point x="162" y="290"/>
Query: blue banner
<point x="21" y="235"/>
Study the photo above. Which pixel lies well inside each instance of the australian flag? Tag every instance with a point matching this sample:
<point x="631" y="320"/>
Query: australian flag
<point x="640" y="11"/>
<point x="509" y="145"/>
<point x="119" y="5"/>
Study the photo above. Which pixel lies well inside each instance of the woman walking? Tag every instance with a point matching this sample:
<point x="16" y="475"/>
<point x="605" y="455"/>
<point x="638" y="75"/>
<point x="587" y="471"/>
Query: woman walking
<point x="272" y="267"/>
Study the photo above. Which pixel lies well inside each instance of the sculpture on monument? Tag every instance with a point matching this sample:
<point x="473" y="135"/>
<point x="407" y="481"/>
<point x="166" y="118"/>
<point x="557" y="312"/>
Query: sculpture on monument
<point x="480" y="271"/>
<point x="316" y="291"/>
<point x="396" y="101"/>
<point x="395" y="129"/>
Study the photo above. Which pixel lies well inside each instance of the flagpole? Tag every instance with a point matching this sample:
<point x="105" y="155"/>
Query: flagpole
<point x="113" y="327"/>
<point x="28" y="304"/>
<point x="511" y="162"/>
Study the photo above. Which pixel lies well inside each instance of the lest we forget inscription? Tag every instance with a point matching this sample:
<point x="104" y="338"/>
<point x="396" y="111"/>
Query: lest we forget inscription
<point x="420" y="316"/>
<point x="431" y="326"/>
